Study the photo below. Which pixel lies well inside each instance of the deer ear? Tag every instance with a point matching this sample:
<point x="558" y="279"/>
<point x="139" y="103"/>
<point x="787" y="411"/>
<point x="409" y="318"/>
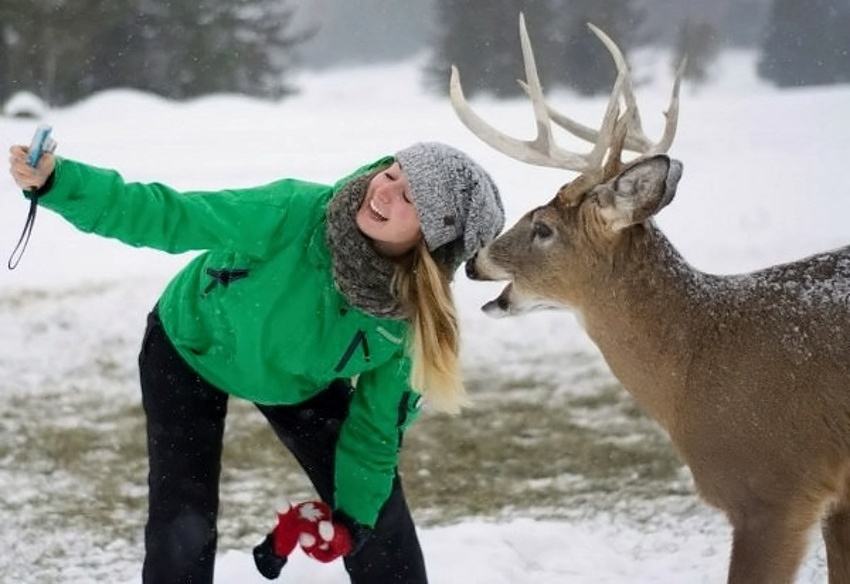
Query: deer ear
<point x="638" y="192"/>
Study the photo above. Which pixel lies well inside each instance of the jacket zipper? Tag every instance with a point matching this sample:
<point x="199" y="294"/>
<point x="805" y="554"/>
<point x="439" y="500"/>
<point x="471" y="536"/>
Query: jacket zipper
<point x="359" y="337"/>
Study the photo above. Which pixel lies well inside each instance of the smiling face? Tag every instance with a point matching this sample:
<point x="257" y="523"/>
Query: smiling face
<point x="387" y="215"/>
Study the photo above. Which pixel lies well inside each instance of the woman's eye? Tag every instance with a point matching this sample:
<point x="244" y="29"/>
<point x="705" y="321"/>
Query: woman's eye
<point x="389" y="176"/>
<point x="542" y="230"/>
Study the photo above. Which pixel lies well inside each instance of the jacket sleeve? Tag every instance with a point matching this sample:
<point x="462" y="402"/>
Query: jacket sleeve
<point x="370" y="438"/>
<point x="97" y="200"/>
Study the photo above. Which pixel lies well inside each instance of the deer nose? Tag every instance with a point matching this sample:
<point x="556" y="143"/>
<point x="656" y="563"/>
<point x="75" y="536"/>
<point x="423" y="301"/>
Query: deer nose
<point x="471" y="273"/>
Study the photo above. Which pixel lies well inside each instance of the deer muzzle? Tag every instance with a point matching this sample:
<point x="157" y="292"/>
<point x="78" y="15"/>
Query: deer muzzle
<point x="481" y="267"/>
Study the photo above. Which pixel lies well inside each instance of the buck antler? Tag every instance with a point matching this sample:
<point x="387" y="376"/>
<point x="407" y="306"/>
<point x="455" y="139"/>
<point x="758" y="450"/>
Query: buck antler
<point x="636" y="140"/>
<point x="542" y="150"/>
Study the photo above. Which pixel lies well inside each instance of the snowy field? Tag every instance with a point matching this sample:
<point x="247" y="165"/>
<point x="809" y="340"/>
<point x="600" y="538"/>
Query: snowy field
<point x="551" y="477"/>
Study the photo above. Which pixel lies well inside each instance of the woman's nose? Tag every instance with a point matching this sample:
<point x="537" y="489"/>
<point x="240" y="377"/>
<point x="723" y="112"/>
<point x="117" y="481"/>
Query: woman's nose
<point x="387" y="194"/>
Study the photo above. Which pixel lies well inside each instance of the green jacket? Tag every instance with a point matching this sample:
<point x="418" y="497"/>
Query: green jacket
<point x="258" y="314"/>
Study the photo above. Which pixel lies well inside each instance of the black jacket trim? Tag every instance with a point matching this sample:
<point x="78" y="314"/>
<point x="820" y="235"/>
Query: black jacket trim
<point x="224" y="277"/>
<point x="359" y="337"/>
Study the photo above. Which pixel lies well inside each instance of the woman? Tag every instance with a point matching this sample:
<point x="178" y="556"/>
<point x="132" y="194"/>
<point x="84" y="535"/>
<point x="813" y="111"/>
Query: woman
<point x="327" y="306"/>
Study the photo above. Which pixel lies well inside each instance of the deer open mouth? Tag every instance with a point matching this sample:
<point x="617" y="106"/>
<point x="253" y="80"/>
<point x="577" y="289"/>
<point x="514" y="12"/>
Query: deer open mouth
<point x="513" y="302"/>
<point x="500" y="306"/>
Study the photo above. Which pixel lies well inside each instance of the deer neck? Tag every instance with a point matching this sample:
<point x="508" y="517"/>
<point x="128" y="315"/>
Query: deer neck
<point x="643" y="313"/>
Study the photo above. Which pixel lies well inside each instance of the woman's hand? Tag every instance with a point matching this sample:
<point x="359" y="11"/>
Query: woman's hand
<point x="27" y="177"/>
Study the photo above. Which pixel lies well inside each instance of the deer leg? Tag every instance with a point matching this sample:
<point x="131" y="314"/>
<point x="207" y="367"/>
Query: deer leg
<point x="768" y="545"/>
<point x="836" y="536"/>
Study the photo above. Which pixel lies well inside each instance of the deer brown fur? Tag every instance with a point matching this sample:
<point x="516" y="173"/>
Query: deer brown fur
<point x="749" y="374"/>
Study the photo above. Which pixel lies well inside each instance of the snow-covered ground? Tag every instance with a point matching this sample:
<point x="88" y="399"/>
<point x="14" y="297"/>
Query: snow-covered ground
<point x="764" y="182"/>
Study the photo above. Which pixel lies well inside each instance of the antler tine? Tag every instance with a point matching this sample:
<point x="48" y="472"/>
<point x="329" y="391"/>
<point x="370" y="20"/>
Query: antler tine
<point x="521" y="150"/>
<point x="544" y="140"/>
<point x="672" y="113"/>
<point x="544" y="129"/>
<point x="606" y="134"/>
<point x="613" y="164"/>
<point x="635" y="130"/>
<point x="578" y="129"/>
<point x="636" y="140"/>
<point x="542" y="150"/>
<point x="635" y="127"/>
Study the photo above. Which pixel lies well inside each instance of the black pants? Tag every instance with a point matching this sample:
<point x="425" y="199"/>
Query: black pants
<point x="185" y="425"/>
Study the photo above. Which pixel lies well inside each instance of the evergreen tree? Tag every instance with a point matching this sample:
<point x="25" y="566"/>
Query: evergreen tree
<point x="220" y="45"/>
<point x="365" y="31"/>
<point x="62" y="50"/>
<point x="584" y="63"/>
<point x="807" y="43"/>
<point x="482" y="39"/>
<point x="5" y="65"/>
<point x="698" y="42"/>
<point x="48" y="45"/>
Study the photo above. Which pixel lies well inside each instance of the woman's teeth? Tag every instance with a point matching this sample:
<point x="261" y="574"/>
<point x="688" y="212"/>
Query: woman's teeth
<point x="378" y="215"/>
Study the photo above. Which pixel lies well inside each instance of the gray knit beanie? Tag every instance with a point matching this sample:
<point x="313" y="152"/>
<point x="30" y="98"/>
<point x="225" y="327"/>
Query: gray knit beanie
<point x="457" y="201"/>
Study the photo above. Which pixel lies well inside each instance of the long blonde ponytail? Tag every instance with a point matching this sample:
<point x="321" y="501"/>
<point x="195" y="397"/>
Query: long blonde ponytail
<point x="434" y="341"/>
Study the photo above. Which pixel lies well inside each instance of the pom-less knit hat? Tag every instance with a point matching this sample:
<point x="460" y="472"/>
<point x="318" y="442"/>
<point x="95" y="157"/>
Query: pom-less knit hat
<point x="457" y="201"/>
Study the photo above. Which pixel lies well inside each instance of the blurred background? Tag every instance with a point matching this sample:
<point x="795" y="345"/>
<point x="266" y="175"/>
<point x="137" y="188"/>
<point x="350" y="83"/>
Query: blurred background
<point x="62" y="50"/>
<point x="554" y="474"/>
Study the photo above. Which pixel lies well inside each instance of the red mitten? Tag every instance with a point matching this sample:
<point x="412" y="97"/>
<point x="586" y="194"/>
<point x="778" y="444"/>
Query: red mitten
<point x="271" y="555"/>
<point x="287" y="530"/>
<point x="322" y="538"/>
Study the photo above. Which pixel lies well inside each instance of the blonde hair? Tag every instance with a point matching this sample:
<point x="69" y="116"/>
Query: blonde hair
<point x="423" y="288"/>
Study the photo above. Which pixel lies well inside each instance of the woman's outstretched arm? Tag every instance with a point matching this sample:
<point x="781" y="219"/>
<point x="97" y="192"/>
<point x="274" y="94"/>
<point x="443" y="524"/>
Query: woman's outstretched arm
<point x="98" y="200"/>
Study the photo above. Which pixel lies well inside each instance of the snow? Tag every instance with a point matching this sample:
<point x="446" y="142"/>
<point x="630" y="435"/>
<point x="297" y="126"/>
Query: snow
<point x="25" y="105"/>
<point x="764" y="182"/>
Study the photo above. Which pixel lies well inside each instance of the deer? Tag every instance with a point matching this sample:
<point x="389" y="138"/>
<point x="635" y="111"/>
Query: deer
<point x="748" y="374"/>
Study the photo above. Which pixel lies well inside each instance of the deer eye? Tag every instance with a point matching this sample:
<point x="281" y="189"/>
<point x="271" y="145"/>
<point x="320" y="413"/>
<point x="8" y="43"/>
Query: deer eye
<point x="541" y="230"/>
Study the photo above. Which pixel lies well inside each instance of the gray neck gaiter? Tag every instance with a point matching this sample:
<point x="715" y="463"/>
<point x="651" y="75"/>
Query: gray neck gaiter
<point x="362" y="275"/>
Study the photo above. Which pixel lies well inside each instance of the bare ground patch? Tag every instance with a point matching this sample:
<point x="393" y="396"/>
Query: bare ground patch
<point x="550" y="434"/>
<point x="522" y="449"/>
